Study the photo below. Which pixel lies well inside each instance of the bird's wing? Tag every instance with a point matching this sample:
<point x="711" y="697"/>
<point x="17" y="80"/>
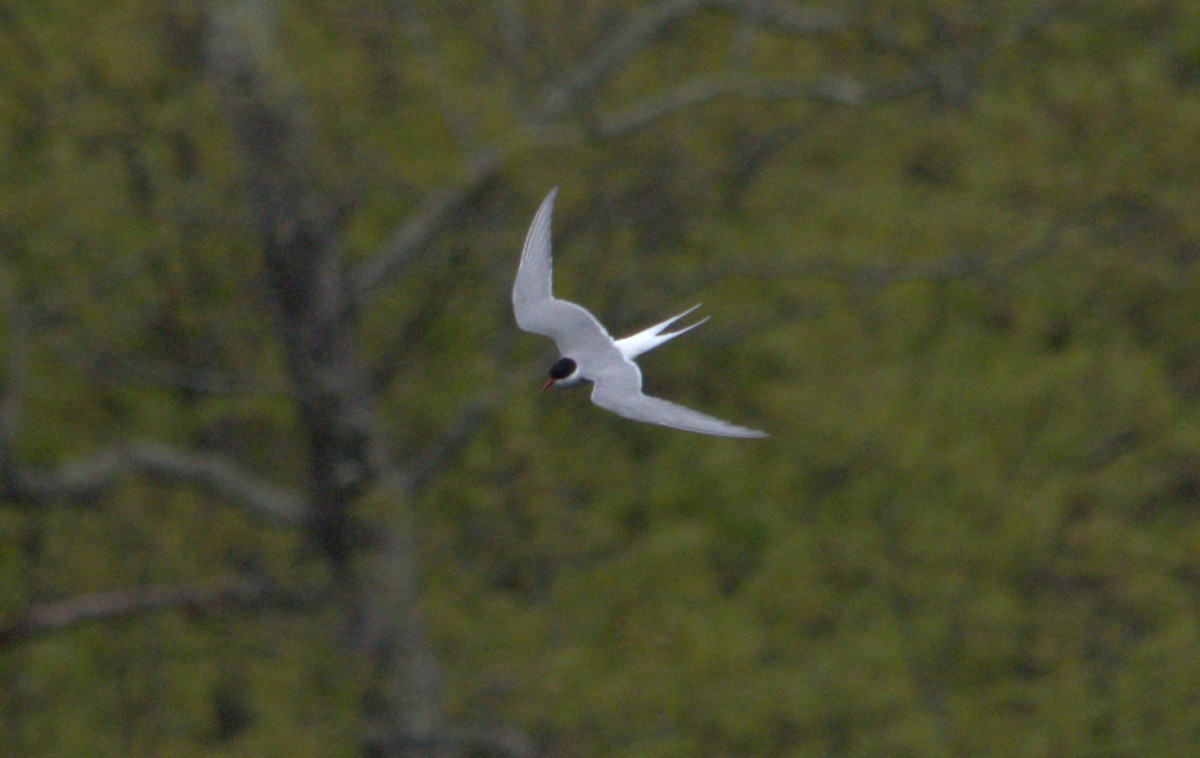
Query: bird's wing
<point x="619" y="389"/>
<point x="571" y="326"/>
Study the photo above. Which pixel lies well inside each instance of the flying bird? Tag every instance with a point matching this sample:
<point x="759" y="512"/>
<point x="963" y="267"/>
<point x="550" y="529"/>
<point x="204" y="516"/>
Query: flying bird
<point x="589" y="354"/>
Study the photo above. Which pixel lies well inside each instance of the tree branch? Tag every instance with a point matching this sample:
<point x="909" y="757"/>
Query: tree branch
<point x="951" y="267"/>
<point x="429" y="462"/>
<point x="89" y="477"/>
<point x="12" y="402"/>
<point x="420" y="39"/>
<point x="930" y="691"/>
<point x="944" y="76"/>
<point x="644" y="27"/>
<point x="830" y="89"/>
<point x="439" y="209"/>
<point x="442" y="206"/>
<point x="465" y="739"/>
<point x="513" y="35"/>
<point x="236" y="592"/>
<point x="123" y="371"/>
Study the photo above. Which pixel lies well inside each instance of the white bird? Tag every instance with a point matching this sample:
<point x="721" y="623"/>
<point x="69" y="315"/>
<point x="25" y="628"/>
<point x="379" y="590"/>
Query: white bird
<point x="589" y="354"/>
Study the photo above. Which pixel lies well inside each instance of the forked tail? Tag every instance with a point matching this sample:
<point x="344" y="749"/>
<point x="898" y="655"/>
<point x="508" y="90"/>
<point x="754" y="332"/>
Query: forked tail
<point x="648" y="339"/>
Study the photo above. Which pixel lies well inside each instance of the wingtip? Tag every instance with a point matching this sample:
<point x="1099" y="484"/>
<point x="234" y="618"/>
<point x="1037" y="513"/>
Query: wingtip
<point x="749" y="433"/>
<point x="547" y="206"/>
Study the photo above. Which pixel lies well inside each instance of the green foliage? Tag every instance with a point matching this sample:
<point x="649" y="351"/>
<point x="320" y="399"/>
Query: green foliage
<point x="973" y="530"/>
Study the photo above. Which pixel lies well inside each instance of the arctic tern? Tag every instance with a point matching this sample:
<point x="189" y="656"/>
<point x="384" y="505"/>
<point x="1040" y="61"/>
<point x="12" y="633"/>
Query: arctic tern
<point x="589" y="354"/>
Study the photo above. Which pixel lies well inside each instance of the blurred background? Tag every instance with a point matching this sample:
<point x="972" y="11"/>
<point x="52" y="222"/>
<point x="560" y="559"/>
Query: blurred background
<point x="275" y="477"/>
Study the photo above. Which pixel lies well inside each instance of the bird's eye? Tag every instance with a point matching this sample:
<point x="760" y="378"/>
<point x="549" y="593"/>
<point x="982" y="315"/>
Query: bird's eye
<point x="562" y="369"/>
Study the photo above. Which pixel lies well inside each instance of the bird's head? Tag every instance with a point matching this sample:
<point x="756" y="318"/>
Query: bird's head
<point x="564" y="374"/>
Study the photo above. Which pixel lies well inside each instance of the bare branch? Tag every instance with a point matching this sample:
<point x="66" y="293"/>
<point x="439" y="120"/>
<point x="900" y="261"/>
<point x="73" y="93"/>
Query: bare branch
<point x="14" y="391"/>
<point x="123" y="371"/>
<point x="512" y="32"/>
<point x="420" y="38"/>
<point x="220" y="476"/>
<point x="469" y="739"/>
<point x="654" y="21"/>
<point x="439" y="209"/>
<point x="783" y="18"/>
<point x="88" y="478"/>
<point x="427" y="465"/>
<point x="961" y="266"/>
<point x="952" y="267"/>
<point x="611" y="53"/>
<point x="950" y="72"/>
<point x="106" y="369"/>
<point x="236" y="592"/>
<point x="832" y="90"/>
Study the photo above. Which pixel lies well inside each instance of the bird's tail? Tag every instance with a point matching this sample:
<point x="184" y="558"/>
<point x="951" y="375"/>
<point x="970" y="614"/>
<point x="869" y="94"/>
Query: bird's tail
<point x="648" y="339"/>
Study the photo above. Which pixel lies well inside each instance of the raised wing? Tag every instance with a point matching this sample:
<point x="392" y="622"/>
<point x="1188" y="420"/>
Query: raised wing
<point x="571" y="326"/>
<point x="620" y="391"/>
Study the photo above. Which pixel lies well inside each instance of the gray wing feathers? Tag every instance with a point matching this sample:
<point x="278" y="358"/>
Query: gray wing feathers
<point x="621" y="393"/>
<point x="571" y="326"/>
<point x="533" y="284"/>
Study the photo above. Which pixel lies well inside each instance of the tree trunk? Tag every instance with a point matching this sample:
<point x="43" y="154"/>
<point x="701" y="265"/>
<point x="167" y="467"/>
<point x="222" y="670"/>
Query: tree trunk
<point x="306" y="283"/>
